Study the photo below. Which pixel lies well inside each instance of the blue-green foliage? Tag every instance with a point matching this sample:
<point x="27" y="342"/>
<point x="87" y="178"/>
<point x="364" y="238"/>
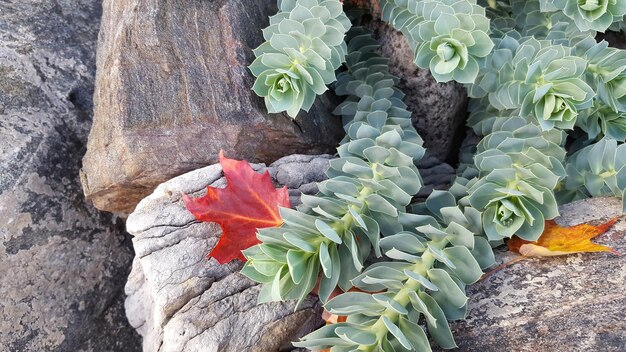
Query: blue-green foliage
<point x="535" y="75"/>
<point x="366" y="195"/>
<point x="432" y="255"/>
<point x="450" y="37"/>
<point x="304" y="46"/>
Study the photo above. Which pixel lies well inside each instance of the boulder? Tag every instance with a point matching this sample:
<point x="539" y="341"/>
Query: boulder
<point x="173" y="89"/>
<point x="62" y="263"/>
<point x="180" y="301"/>
<point x="557" y="304"/>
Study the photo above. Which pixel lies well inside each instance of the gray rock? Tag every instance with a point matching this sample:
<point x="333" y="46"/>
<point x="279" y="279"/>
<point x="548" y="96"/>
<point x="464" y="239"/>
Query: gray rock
<point x="180" y="301"/>
<point x="62" y="263"/>
<point x="435" y="175"/>
<point x="558" y="304"/>
<point x="173" y="89"/>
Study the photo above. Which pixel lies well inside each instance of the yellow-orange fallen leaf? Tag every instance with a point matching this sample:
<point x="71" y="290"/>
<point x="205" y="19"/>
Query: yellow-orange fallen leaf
<point x="557" y="240"/>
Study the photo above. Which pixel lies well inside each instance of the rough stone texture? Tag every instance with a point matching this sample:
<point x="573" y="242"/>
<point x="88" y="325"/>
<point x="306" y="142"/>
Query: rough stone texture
<point x="62" y="263"/>
<point x="179" y="301"/>
<point x="559" y="304"/>
<point x="435" y="175"/>
<point x="439" y="109"/>
<point x="173" y="89"/>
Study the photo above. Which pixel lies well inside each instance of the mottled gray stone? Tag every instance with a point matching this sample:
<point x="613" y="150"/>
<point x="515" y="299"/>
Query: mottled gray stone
<point x="558" y="304"/>
<point x="173" y="89"/>
<point x="62" y="263"/>
<point x="435" y="175"/>
<point x="180" y="301"/>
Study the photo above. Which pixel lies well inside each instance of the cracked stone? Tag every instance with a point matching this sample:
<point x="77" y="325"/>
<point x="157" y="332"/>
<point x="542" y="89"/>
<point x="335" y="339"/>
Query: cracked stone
<point x="180" y="301"/>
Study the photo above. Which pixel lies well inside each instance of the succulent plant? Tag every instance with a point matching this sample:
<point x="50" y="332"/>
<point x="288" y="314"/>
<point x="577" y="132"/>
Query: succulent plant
<point x="366" y="195"/>
<point x="606" y="72"/>
<point x="520" y="166"/>
<point x="602" y="121"/>
<point x="596" y="170"/>
<point x="434" y="261"/>
<point x="544" y="81"/>
<point x="450" y="37"/>
<point x="533" y="75"/>
<point x="304" y="46"/>
<point x="597" y="15"/>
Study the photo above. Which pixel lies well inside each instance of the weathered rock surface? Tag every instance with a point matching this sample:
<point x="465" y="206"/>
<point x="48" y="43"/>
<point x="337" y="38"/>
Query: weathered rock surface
<point x="62" y="263"/>
<point x="173" y="89"/>
<point x="439" y="109"/>
<point x="180" y="301"/>
<point x="435" y="174"/>
<point x="559" y="304"/>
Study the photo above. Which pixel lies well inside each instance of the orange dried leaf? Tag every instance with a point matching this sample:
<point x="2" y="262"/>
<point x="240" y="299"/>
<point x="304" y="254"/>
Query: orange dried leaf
<point x="557" y="240"/>
<point x="249" y="201"/>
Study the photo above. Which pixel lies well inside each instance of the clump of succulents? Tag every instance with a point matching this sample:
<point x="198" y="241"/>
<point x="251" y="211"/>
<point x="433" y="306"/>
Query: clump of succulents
<point x="304" y="46"/>
<point x="450" y="37"/>
<point x="535" y="75"/>
<point x="597" y="15"/>
<point x="596" y="170"/>
<point x="366" y="195"/>
<point x="431" y="256"/>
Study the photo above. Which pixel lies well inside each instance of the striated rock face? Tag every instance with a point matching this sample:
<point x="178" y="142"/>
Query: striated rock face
<point x="180" y="301"/>
<point x="559" y="304"/>
<point x="62" y="263"/>
<point x="173" y="89"/>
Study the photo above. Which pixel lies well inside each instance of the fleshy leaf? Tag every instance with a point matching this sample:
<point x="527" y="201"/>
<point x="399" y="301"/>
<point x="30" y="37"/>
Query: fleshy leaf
<point x="249" y="201"/>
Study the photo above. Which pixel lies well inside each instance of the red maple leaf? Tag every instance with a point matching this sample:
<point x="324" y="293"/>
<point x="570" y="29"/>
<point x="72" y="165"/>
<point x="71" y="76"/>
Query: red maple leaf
<point x="249" y="201"/>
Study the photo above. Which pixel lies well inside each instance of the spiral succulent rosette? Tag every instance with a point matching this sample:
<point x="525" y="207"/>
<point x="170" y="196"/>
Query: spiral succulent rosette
<point x="520" y="166"/>
<point x="304" y="46"/>
<point x="596" y="170"/>
<point x="606" y="72"/>
<point x="544" y="81"/>
<point x="597" y="15"/>
<point x="450" y="37"/>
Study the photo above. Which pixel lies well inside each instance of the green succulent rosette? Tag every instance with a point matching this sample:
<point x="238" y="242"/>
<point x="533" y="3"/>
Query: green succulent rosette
<point x="450" y="37"/>
<point x="602" y="121"/>
<point x="597" y="15"/>
<point x="606" y="72"/>
<point x="286" y="86"/>
<point x="512" y="205"/>
<point x="451" y="49"/>
<point x="544" y="81"/>
<point x="596" y="170"/>
<point x="519" y="167"/>
<point x="304" y="46"/>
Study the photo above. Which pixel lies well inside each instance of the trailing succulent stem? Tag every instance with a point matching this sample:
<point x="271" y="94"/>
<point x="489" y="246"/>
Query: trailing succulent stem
<point x="367" y="192"/>
<point x="434" y="254"/>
